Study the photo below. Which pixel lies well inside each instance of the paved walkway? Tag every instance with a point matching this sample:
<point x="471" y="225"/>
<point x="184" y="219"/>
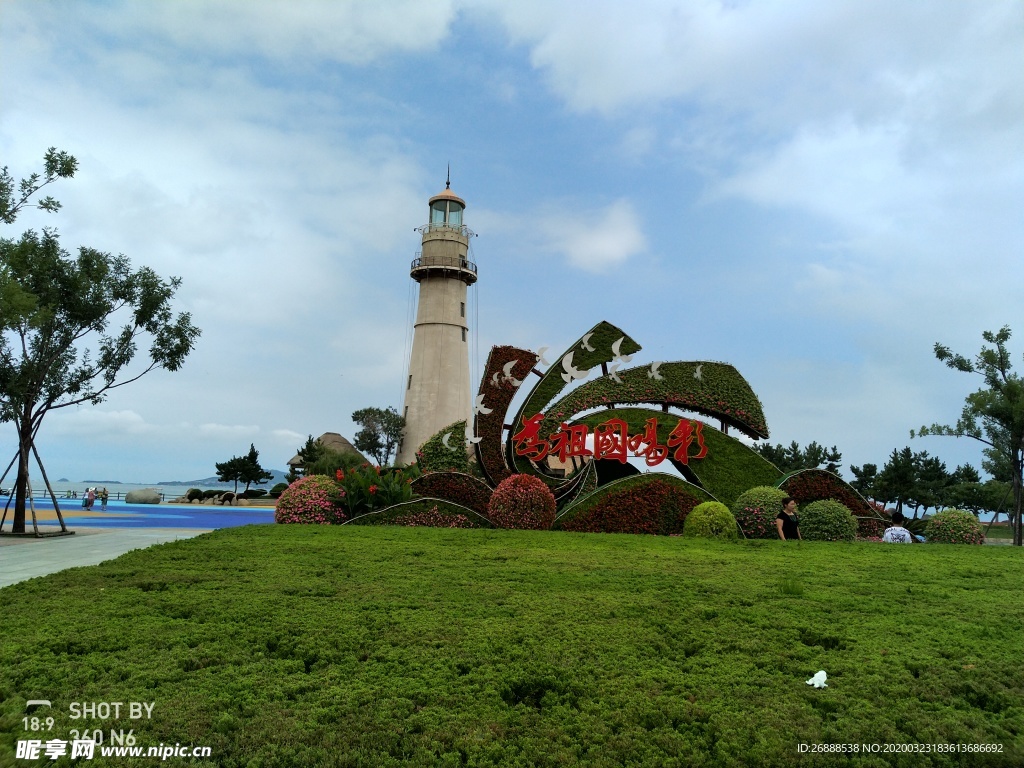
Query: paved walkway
<point x="27" y="557"/>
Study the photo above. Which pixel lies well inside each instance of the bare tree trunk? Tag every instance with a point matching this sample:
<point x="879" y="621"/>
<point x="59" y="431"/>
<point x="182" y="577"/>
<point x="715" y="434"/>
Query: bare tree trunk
<point x="21" y="483"/>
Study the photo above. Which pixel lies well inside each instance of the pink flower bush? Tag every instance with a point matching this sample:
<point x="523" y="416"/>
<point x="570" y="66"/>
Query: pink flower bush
<point x="522" y="502"/>
<point x="954" y="526"/>
<point x="311" y="500"/>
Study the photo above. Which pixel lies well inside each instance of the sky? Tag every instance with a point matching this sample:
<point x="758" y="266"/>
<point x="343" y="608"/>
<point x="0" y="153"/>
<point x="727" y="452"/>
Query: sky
<point x="814" y="192"/>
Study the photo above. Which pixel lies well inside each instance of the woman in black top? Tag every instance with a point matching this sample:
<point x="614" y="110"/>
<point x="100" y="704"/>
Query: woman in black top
<point x="787" y="523"/>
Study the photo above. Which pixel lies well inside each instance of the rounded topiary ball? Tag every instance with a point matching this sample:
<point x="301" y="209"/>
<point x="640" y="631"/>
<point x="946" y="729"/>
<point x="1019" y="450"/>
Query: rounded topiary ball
<point x="827" y="520"/>
<point x="755" y="511"/>
<point x="310" y="499"/>
<point x="954" y="526"/>
<point x="523" y="502"/>
<point x="710" y="520"/>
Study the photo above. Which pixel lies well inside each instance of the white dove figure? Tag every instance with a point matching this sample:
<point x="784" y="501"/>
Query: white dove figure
<point x="585" y="343"/>
<point x="479" y="407"/>
<point x="697" y="374"/>
<point x="653" y="373"/>
<point x="446" y="444"/>
<point x="540" y="354"/>
<point x="571" y="372"/>
<point x="494" y="379"/>
<point x="613" y="375"/>
<point x="470" y="439"/>
<point x="616" y="347"/>
<point x="507" y="368"/>
<point x="818" y="681"/>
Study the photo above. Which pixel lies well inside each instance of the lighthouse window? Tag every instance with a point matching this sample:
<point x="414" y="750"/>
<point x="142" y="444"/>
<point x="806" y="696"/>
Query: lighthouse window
<point x="437" y="211"/>
<point x="455" y="215"/>
<point x="462" y="308"/>
<point x="409" y="385"/>
<point x="463" y="334"/>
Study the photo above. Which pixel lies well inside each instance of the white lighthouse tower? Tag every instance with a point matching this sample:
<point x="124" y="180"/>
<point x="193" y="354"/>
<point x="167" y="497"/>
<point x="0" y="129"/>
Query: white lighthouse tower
<point x="437" y="389"/>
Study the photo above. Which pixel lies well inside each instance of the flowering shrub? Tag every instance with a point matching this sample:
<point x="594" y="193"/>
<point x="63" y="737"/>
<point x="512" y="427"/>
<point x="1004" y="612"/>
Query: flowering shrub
<point x="827" y="520"/>
<point x="368" y="488"/>
<point x="434" y="456"/>
<point x="454" y="486"/>
<point x="523" y="502"/>
<point x="651" y="503"/>
<point x="711" y="520"/>
<point x="755" y="511"/>
<point x="314" y="499"/>
<point x="954" y="526"/>
<point x="432" y="518"/>
<point x="498" y="394"/>
<point x="870" y="529"/>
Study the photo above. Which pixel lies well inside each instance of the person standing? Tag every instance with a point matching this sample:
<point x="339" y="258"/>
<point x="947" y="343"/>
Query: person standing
<point x="896" y="533"/>
<point x="103" y="499"/>
<point x="90" y="498"/>
<point x="786" y="522"/>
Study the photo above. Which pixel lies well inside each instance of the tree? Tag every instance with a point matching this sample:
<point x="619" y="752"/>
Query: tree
<point x="231" y="470"/>
<point x="793" y="458"/>
<point x="309" y="454"/>
<point x="865" y="479"/>
<point x="895" y="483"/>
<point x="55" y="351"/>
<point x="253" y="473"/>
<point x="381" y="430"/>
<point x="993" y="415"/>
<point x="243" y="469"/>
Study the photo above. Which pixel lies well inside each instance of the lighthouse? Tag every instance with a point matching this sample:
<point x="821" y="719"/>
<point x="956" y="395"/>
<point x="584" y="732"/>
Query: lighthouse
<point x="437" y="388"/>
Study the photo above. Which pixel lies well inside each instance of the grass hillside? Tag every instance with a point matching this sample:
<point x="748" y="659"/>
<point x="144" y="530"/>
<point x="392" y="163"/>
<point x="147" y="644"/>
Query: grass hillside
<point x="303" y="645"/>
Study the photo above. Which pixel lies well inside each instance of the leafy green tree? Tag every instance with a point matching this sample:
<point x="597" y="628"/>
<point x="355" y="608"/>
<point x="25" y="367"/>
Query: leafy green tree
<point x="993" y="415"/>
<point x="381" y="431"/>
<point x="55" y="349"/>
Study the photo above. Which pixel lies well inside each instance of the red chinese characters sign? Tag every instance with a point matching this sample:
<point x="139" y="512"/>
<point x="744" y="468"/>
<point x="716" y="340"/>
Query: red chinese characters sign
<point x="611" y="441"/>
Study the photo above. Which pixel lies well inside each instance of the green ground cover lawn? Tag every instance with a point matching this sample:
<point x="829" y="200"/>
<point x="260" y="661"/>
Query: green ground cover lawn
<point x="366" y="646"/>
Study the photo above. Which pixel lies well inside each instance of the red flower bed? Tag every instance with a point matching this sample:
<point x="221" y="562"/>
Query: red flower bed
<point x="809" y="485"/>
<point x="650" y="506"/>
<point x="522" y="502"/>
<point x="454" y="486"/>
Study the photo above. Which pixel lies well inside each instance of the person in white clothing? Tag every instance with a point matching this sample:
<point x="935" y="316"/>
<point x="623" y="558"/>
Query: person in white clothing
<point x="896" y="533"/>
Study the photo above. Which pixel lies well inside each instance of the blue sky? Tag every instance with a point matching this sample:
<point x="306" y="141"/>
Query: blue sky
<point x="814" y="192"/>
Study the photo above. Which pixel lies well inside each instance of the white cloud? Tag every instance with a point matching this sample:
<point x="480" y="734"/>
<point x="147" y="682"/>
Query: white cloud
<point x="594" y="241"/>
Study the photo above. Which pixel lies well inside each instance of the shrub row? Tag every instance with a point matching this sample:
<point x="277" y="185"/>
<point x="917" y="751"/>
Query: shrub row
<point x="457" y="487"/>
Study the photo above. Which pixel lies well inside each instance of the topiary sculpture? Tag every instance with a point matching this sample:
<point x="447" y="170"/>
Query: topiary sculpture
<point x="710" y="520"/>
<point x="755" y="511"/>
<point x="522" y="502"/>
<point x="954" y="526"/>
<point x="312" y="499"/>
<point x="827" y="520"/>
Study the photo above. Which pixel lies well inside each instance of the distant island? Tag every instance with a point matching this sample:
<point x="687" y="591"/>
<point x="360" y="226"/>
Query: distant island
<point x="96" y="482"/>
<point x="213" y="482"/>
